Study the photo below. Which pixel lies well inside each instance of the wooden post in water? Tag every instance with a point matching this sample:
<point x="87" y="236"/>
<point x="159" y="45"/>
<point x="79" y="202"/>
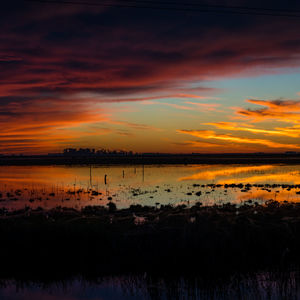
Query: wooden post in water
<point x="143" y="173"/>
<point x="105" y="179"/>
<point x="91" y="182"/>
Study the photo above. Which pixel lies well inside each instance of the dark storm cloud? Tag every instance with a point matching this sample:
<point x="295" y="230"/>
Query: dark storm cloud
<point x="72" y="48"/>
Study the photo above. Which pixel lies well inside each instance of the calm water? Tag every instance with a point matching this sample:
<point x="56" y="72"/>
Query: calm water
<point x="80" y="186"/>
<point x="50" y="186"/>
<point x="257" y="286"/>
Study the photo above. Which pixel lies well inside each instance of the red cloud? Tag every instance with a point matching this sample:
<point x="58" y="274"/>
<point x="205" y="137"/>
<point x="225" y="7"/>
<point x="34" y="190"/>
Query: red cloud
<point x="58" y="64"/>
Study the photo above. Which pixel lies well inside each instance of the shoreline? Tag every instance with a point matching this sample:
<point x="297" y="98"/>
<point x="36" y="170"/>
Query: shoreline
<point x="247" y="158"/>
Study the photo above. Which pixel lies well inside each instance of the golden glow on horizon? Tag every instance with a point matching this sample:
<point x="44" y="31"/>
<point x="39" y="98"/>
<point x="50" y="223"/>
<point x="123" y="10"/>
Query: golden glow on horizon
<point x="56" y="127"/>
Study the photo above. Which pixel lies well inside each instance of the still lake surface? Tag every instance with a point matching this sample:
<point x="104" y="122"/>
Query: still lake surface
<point x="79" y="186"/>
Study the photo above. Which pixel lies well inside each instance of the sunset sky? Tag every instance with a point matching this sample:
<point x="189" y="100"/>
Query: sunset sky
<point x="148" y="80"/>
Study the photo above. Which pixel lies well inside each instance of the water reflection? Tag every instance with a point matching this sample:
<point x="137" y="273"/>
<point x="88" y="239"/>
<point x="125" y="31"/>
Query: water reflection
<point x="263" y="285"/>
<point x="78" y="186"/>
<point x="226" y="172"/>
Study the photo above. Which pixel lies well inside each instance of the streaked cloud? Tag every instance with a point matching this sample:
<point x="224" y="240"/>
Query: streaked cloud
<point x="192" y="106"/>
<point x="204" y="106"/>
<point x="294" y="132"/>
<point x="281" y="110"/>
<point x="208" y="134"/>
<point x="136" y="126"/>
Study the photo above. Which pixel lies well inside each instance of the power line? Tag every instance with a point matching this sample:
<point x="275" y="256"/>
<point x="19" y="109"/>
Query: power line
<point x="191" y="4"/>
<point x="179" y="9"/>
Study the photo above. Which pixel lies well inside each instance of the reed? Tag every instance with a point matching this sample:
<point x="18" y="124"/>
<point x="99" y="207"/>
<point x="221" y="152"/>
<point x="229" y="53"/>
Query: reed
<point x="201" y="239"/>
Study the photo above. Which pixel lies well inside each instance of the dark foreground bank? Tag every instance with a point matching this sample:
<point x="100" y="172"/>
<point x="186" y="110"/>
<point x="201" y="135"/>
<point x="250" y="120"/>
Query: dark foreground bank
<point x="259" y="285"/>
<point x="63" y="242"/>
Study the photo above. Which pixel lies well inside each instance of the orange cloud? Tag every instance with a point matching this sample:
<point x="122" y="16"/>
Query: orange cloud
<point x="235" y="127"/>
<point x="208" y="134"/>
<point x="33" y="126"/>
<point x="282" y="110"/>
<point x="278" y="105"/>
<point x="290" y="131"/>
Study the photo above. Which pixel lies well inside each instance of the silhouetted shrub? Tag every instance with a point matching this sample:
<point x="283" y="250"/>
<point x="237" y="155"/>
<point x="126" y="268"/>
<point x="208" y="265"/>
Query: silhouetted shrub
<point x="112" y="207"/>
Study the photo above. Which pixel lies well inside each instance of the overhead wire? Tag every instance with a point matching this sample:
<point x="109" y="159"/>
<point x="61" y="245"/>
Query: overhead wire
<point x="195" y="4"/>
<point x="186" y="7"/>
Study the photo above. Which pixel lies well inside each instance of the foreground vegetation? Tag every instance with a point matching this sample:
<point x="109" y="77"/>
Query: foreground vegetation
<point x="64" y="242"/>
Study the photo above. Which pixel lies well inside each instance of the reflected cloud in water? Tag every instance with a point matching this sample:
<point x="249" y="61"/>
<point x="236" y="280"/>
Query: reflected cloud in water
<point x="79" y="186"/>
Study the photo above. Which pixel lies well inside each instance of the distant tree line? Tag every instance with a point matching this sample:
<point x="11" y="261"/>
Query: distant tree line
<point x="94" y="152"/>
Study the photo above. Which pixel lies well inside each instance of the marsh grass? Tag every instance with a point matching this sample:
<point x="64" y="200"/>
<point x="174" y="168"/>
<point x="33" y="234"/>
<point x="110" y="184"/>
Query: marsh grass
<point x="99" y="239"/>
